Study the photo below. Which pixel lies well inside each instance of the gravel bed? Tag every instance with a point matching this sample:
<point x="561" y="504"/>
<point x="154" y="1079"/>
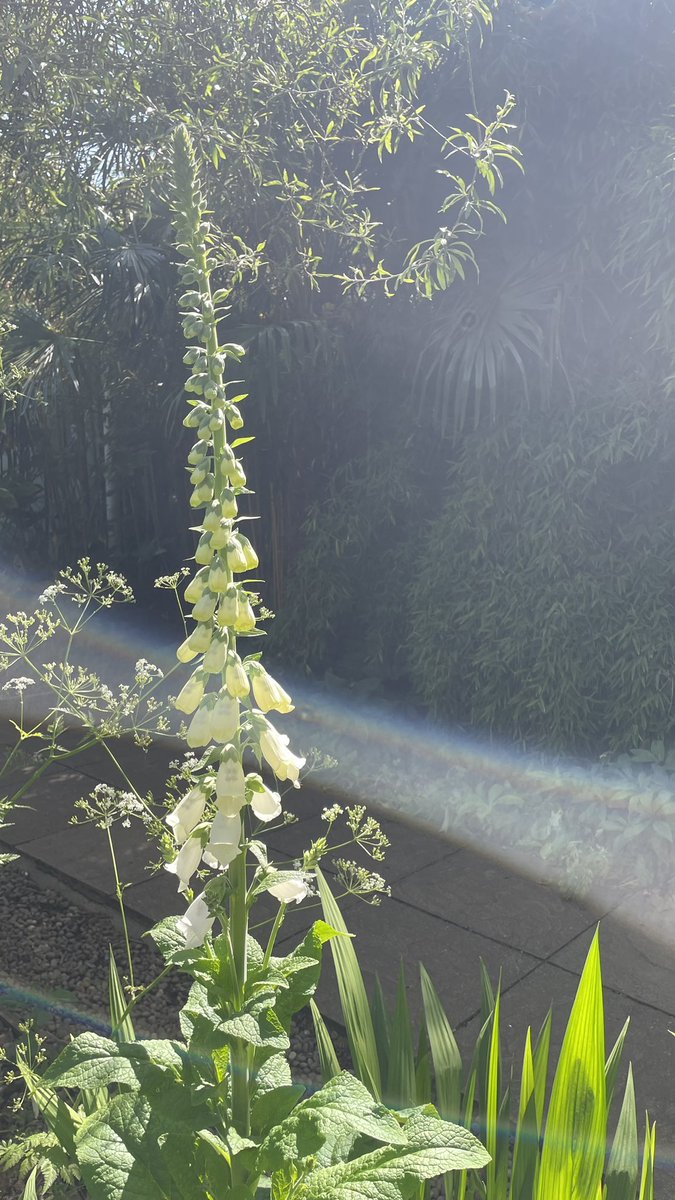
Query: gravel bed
<point x="54" y="967"/>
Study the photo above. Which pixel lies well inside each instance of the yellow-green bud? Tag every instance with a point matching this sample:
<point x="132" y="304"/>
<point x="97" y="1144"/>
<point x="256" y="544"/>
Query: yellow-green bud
<point x="219" y="577"/>
<point x="245" y="619"/>
<point x="234" y="416"/>
<point x="234" y="553"/>
<point x="211" y="520"/>
<point x="199" y="473"/>
<point x="249" y="552"/>
<point x="236" y="475"/>
<point x="198" y="642"/>
<point x="195" y="587"/>
<point x="197" y="454"/>
<point x="229" y="607"/>
<point x="222" y="535"/>
<point x="205" y="607"/>
<point x="205" y="551"/>
<point x="236" y="679"/>
<point x="228" y="503"/>
<point x="199" y="729"/>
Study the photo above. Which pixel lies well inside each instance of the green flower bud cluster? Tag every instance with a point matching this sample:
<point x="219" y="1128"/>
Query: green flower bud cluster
<point x="226" y="697"/>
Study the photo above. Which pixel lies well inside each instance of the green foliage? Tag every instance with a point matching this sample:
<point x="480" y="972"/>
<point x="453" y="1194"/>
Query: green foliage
<point x="555" y="1140"/>
<point x="542" y="605"/>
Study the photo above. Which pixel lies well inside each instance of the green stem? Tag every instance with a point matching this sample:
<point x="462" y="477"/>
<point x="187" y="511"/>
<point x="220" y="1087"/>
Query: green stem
<point x="278" y="922"/>
<point x="41" y="769"/>
<point x="119" y="891"/>
<point x="144" y="991"/>
<point x="241" y="1100"/>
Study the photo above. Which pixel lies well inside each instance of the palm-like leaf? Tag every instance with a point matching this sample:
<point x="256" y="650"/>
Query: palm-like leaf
<point x="488" y="331"/>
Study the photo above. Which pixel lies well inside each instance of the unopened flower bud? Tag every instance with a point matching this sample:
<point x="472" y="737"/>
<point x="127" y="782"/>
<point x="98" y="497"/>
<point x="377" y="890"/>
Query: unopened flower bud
<point x="245" y="619"/>
<point x="212" y="517"/>
<point x="234" y="553"/>
<point x="249" y="552"/>
<point x="234" y="416"/>
<point x="191" y="693"/>
<point x="196" y="586"/>
<point x="197" y="454"/>
<point x="228" y="610"/>
<point x="228" y="503"/>
<point x="204" y="552"/>
<point x="219" y="577"/>
<point x="221" y="536"/>
<point x="205" y="607"/>
<point x="197" y="643"/>
<point x="200" y="472"/>
<point x="236" y="679"/>
<point x="236" y="475"/>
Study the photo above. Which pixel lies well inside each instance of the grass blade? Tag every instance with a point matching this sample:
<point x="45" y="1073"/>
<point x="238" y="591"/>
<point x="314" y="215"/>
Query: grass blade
<point x="624" y="1163"/>
<point x="648" y="1161"/>
<point x="445" y="1055"/>
<point x="541" y="1055"/>
<point x="353" y="997"/>
<point x="330" y="1065"/>
<point x="492" y="1103"/>
<point x="122" y="1025"/>
<point x="573" y="1154"/>
<point x="380" y="1019"/>
<point x="401" y="1089"/>
<point x="526" y="1143"/>
<point x="613" y="1064"/>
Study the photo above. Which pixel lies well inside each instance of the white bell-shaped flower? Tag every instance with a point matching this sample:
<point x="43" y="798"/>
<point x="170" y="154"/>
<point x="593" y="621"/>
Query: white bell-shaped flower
<point x="195" y="923"/>
<point x="268" y="693"/>
<point x="223" y="844"/>
<point x="236" y="679"/>
<point x="266" y="804"/>
<point x="292" y="888"/>
<point x="274" y="748"/>
<point x="187" y="814"/>
<point x="230" y="787"/>
<point x="244" y="621"/>
<point x="214" y="659"/>
<point x="224" y="718"/>
<point x="195" y="587"/>
<point x="205" y="606"/>
<point x="186" y="862"/>
<point x="199" y="729"/>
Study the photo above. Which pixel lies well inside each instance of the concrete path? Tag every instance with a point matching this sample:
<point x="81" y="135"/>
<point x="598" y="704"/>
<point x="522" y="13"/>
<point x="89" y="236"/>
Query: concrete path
<point x="451" y="907"/>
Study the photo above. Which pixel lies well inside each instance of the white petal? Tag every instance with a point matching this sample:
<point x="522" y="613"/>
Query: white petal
<point x="195" y="923"/>
<point x="266" y="805"/>
<point x="292" y="888"/>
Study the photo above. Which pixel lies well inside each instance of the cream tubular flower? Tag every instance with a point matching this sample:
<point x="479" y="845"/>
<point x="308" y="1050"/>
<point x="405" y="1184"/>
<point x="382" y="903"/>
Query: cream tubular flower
<point x="268" y="693"/>
<point x="236" y="679"/>
<point x="195" y="587"/>
<point x="230" y="787"/>
<point x="186" y="862"/>
<point x="187" y="813"/>
<point x="245" y="619"/>
<point x="205" y="607"/>
<point x="266" y="804"/>
<point x="223" y="845"/>
<point x="191" y="694"/>
<point x="292" y="887"/>
<point x="274" y="748"/>
<point x="199" y="729"/>
<point x="214" y="659"/>
<point x="195" y="923"/>
<point x="224" y="718"/>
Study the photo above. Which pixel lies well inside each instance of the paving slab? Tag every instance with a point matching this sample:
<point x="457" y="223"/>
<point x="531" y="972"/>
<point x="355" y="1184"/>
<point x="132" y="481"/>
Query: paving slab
<point x="634" y="963"/>
<point x="47" y="807"/>
<point x="386" y="934"/>
<point x="411" y="849"/>
<point x="482" y="896"/>
<point x="649" y="1046"/>
<point x="81" y="853"/>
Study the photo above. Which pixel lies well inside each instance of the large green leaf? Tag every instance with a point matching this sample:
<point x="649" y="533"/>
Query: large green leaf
<point x="92" y="1061"/>
<point x="342" y="1110"/>
<point x="573" y="1154"/>
<point x="139" y="1151"/>
<point x="301" y="970"/>
<point x="432" y="1147"/>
